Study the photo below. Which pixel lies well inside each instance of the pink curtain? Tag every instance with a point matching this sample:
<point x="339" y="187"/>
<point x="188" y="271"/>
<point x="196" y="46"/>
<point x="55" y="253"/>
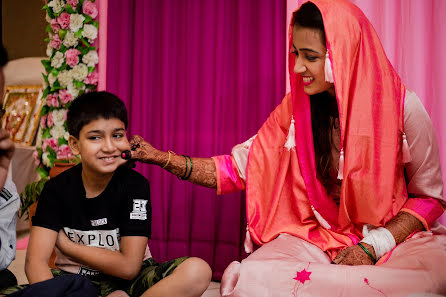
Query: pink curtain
<point x="413" y="35"/>
<point x="197" y="77"/>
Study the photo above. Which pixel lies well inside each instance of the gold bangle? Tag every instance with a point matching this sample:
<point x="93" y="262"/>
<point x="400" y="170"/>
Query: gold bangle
<point x="168" y="160"/>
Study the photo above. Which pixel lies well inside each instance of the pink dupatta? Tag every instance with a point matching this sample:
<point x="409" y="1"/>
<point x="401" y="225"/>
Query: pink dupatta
<point x="283" y="193"/>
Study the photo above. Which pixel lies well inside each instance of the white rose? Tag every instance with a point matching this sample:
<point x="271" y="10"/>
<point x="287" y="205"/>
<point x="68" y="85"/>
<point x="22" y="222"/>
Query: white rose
<point x="76" y="21"/>
<point x="91" y="58"/>
<point x="65" y="78"/>
<point x="57" y="131"/>
<point x="49" y="50"/>
<point x="90" y="32"/>
<point x="59" y="117"/>
<point x="51" y="79"/>
<point x="70" y="40"/>
<point x="66" y="135"/>
<point x="56" y="5"/>
<point x="80" y="72"/>
<point x="57" y="60"/>
<point x="45" y="159"/>
<point x="71" y="88"/>
<point x="47" y="18"/>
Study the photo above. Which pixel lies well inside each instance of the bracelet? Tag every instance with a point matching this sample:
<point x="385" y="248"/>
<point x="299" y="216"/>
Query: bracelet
<point x="191" y="166"/>
<point x="168" y="160"/>
<point x="185" y="171"/>
<point x="367" y="252"/>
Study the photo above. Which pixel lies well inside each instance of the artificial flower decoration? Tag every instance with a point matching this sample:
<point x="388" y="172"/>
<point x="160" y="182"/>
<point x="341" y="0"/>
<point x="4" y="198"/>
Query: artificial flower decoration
<point x="70" y="71"/>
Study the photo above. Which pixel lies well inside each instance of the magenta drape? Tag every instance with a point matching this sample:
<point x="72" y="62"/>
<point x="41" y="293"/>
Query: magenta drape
<point x="197" y="77"/>
<point x="413" y="35"/>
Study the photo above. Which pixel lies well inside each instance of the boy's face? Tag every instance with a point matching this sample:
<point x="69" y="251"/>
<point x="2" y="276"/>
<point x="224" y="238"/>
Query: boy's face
<point x="100" y="145"/>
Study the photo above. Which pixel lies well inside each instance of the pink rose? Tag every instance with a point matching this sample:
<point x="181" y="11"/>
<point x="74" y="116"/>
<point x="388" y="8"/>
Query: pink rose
<point x="65" y="96"/>
<point x="49" y="120"/>
<point x="73" y="3"/>
<point x="43" y="122"/>
<point x="54" y="26"/>
<point x="64" y="20"/>
<point x="55" y="41"/>
<point x="64" y="152"/>
<point x="50" y="142"/>
<point x="92" y="78"/>
<point x="72" y="57"/>
<point x="52" y="100"/>
<point x="89" y="8"/>
<point x="36" y="158"/>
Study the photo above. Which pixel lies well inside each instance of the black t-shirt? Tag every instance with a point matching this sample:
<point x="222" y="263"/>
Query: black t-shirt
<point x="122" y="209"/>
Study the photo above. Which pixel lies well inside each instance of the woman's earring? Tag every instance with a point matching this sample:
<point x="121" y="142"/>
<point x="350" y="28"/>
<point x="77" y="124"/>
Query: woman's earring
<point x="328" y="70"/>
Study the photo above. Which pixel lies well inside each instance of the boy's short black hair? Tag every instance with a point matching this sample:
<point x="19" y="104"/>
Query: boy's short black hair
<point x="92" y="106"/>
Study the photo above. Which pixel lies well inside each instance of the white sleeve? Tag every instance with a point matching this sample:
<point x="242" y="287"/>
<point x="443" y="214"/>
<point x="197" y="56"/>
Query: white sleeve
<point x="424" y="170"/>
<point x="9" y="205"/>
<point x="240" y="154"/>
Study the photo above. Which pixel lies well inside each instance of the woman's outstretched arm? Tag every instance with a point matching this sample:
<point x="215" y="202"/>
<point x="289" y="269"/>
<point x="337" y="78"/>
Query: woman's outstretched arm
<point x="203" y="169"/>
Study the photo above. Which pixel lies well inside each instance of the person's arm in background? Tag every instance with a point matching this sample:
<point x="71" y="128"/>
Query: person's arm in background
<point x="9" y="206"/>
<point x="9" y="202"/>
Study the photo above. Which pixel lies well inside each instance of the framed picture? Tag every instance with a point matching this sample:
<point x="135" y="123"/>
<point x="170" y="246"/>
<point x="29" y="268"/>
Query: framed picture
<point x="22" y="106"/>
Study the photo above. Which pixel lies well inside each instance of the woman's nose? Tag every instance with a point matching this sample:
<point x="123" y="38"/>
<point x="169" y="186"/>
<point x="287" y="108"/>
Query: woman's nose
<point x="299" y="67"/>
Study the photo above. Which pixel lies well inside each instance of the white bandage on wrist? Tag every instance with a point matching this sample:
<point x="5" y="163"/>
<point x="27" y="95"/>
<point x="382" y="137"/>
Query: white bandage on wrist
<point x="381" y="239"/>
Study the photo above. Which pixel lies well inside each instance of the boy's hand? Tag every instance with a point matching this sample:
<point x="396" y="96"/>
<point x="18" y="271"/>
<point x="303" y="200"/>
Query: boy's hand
<point x="143" y="151"/>
<point x="62" y="241"/>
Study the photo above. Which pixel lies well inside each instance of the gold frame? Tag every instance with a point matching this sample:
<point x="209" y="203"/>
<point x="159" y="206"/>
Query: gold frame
<point x="22" y="106"/>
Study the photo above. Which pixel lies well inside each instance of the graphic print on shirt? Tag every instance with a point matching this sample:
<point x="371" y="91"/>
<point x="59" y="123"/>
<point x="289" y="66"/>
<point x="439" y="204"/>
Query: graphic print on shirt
<point x="108" y="239"/>
<point x="139" y="210"/>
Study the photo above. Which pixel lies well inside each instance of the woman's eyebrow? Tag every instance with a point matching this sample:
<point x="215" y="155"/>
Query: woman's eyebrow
<point x="309" y="50"/>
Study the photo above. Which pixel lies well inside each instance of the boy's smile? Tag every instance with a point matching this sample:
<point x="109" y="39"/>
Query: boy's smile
<point x="100" y="145"/>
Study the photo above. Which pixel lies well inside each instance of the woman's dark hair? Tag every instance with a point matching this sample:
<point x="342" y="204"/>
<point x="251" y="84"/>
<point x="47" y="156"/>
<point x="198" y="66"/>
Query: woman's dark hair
<point x="323" y="107"/>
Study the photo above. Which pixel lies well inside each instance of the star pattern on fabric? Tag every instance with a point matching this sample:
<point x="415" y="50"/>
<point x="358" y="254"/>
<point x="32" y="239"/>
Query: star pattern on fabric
<point x="302" y="276"/>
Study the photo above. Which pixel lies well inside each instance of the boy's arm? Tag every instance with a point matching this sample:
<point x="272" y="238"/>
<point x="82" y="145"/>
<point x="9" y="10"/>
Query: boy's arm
<point x="125" y="263"/>
<point x="40" y="247"/>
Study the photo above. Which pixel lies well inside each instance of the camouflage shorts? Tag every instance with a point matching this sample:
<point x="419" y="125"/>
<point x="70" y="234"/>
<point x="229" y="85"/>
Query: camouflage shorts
<point x="151" y="272"/>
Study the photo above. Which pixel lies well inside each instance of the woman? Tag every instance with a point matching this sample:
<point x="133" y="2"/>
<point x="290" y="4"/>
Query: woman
<point x="330" y="177"/>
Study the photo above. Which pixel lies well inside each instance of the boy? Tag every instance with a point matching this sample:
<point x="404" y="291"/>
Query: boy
<point x="98" y="214"/>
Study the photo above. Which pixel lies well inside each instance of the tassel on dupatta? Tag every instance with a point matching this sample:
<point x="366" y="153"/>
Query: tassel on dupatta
<point x="291" y="138"/>
<point x="320" y="219"/>
<point x="406" y="152"/>
<point x="341" y="165"/>
<point x="327" y="69"/>
<point x="248" y="242"/>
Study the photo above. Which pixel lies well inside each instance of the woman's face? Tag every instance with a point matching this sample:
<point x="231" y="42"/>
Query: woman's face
<point x="309" y="53"/>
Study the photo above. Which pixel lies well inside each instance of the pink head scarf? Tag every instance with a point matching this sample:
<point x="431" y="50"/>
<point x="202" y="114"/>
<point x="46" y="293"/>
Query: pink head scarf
<point x="283" y="193"/>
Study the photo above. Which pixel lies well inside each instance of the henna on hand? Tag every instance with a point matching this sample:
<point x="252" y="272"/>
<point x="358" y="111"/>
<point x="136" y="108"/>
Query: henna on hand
<point x="355" y="255"/>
